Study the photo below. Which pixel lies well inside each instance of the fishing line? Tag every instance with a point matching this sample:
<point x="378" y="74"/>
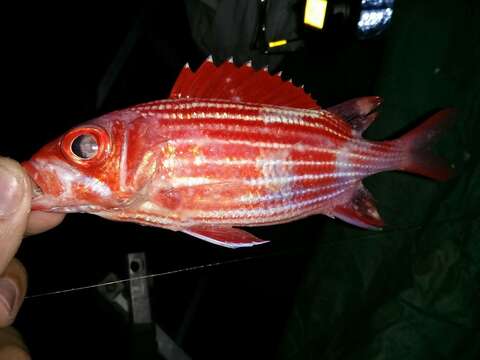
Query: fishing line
<point x="160" y="274"/>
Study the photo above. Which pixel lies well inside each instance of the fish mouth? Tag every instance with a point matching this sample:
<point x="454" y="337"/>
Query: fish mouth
<point x="31" y="171"/>
<point x="36" y="190"/>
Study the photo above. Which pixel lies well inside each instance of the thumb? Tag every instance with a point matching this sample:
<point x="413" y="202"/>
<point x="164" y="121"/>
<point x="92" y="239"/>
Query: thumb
<point x="15" y="194"/>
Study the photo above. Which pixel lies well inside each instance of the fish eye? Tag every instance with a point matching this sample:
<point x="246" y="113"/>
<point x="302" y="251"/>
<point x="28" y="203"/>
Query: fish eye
<point x="85" y="146"/>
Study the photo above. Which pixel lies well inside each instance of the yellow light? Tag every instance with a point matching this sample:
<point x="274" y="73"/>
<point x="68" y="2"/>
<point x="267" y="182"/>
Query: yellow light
<point x="277" y="43"/>
<point x="315" y="11"/>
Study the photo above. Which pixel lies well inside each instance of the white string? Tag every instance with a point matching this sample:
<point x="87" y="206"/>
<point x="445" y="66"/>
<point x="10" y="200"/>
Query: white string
<point x="171" y="272"/>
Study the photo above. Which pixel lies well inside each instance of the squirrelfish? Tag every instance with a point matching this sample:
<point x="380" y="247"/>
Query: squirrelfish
<point x="231" y="147"/>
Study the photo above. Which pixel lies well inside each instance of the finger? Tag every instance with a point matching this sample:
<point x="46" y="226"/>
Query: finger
<point x="13" y="287"/>
<point x="15" y="197"/>
<point x="12" y="345"/>
<point x="40" y="221"/>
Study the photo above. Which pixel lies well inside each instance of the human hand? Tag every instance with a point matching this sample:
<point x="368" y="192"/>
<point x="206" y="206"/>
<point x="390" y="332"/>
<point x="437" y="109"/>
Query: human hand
<point x="16" y="221"/>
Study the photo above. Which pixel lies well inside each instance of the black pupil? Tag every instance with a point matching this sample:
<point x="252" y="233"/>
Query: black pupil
<point x="85" y="146"/>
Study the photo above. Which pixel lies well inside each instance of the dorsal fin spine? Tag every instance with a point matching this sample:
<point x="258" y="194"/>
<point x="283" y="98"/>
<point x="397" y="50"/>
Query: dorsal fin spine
<point x="241" y="84"/>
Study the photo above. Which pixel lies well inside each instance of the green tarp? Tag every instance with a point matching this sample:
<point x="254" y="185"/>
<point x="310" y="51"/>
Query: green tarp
<point x="411" y="291"/>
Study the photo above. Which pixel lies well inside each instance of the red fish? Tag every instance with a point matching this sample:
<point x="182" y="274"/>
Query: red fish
<point x="231" y="147"/>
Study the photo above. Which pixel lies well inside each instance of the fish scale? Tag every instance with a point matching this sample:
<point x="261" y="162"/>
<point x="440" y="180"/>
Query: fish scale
<point x="287" y="175"/>
<point x="230" y="147"/>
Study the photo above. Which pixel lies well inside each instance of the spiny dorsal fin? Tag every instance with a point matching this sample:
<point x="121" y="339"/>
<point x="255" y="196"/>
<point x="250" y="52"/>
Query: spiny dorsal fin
<point x="359" y="112"/>
<point x="360" y="210"/>
<point x="242" y="84"/>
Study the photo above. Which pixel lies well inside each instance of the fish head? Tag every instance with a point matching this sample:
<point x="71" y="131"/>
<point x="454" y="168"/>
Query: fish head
<point x="77" y="172"/>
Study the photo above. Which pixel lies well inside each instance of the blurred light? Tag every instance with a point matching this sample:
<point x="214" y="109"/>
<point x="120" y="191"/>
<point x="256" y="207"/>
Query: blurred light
<point x="375" y="17"/>
<point x="315" y="11"/>
<point x="377" y="3"/>
<point x="277" y="43"/>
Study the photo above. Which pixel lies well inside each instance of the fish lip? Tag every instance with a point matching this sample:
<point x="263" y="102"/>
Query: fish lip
<point x="36" y="190"/>
<point x="31" y="170"/>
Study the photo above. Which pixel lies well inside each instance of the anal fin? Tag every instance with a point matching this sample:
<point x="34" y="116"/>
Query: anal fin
<point x="224" y="236"/>
<point x="360" y="210"/>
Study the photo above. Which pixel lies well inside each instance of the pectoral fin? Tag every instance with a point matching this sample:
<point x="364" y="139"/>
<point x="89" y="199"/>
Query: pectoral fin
<point x="360" y="210"/>
<point x="224" y="236"/>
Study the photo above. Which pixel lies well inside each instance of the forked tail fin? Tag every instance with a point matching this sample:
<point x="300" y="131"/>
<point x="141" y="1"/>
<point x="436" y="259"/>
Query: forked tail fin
<point x="417" y="142"/>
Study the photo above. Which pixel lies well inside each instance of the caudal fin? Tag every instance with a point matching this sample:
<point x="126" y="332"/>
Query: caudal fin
<point x="418" y="141"/>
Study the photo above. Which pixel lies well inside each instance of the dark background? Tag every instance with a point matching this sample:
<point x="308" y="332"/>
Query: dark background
<point x="321" y="289"/>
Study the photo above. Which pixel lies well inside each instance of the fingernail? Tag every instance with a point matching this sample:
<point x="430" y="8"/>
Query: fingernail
<point x="10" y="193"/>
<point x="8" y="293"/>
